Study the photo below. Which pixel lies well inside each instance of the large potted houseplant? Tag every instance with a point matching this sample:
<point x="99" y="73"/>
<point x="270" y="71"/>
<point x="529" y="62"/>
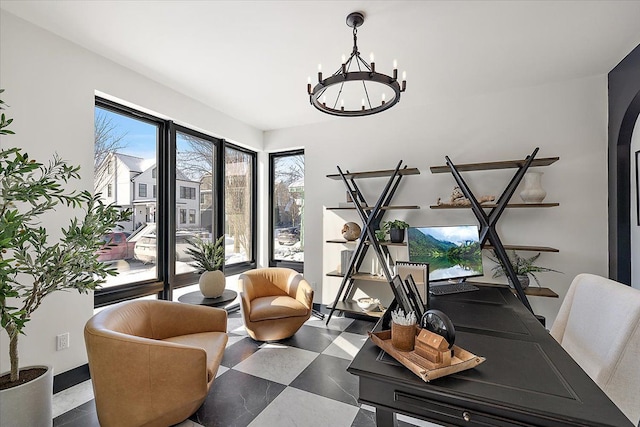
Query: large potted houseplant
<point x="523" y="267"/>
<point x="208" y="258"/>
<point x="33" y="265"/>
<point x="396" y="230"/>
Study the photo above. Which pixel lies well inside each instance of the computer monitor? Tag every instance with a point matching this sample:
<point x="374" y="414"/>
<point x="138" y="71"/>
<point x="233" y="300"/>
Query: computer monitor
<point x="453" y="252"/>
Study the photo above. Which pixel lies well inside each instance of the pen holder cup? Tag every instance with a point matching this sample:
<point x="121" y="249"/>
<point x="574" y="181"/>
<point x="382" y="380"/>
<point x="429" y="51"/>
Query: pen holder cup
<point x="403" y="337"/>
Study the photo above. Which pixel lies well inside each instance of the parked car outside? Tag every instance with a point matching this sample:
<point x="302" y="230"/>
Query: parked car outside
<point x="116" y="247"/>
<point x="146" y="249"/>
<point x="289" y="236"/>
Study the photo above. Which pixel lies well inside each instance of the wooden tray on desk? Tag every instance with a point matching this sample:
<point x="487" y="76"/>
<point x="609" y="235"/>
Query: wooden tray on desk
<point x="426" y="370"/>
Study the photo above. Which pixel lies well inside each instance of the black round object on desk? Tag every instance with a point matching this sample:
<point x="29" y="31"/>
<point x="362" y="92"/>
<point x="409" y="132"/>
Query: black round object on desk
<point x="439" y="323"/>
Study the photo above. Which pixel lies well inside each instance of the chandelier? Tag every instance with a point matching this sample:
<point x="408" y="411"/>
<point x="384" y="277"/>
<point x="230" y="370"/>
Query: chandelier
<point x="356" y="79"/>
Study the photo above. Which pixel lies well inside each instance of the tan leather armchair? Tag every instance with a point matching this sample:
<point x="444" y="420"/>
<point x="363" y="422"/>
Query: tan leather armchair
<point x="275" y="302"/>
<point x="152" y="362"/>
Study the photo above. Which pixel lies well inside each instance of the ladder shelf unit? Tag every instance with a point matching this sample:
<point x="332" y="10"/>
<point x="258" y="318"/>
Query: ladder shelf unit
<point x="489" y="238"/>
<point x="370" y="217"/>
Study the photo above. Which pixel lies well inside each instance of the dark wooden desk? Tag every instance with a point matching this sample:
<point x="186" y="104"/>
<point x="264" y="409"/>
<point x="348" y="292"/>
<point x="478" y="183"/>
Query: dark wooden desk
<point x="527" y="379"/>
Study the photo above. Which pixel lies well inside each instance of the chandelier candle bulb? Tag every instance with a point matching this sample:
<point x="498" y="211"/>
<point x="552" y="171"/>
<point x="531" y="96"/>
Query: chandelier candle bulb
<point x="373" y="64"/>
<point x="383" y="98"/>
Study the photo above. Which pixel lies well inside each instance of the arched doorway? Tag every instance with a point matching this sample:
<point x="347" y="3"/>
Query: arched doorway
<point x="624" y="108"/>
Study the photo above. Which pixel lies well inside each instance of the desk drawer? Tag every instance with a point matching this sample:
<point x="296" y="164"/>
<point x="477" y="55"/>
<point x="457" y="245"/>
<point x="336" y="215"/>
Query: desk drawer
<point x="449" y="413"/>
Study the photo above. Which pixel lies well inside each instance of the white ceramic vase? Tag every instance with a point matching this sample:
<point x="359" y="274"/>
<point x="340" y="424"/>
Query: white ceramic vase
<point x="212" y="283"/>
<point x="29" y="404"/>
<point x="533" y="191"/>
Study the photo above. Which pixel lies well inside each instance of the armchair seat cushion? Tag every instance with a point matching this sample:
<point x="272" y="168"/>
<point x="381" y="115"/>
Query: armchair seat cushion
<point x="277" y="307"/>
<point x="213" y="344"/>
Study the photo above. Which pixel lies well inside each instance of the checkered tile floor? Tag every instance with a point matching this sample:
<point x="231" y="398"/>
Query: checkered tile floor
<point x="300" y="381"/>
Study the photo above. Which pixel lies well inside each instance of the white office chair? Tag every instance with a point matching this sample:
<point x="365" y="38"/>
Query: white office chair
<point x="599" y="326"/>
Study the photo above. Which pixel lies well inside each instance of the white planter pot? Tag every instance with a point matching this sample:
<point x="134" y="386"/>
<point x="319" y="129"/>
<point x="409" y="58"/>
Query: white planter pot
<point x="212" y="283"/>
<point x="29" y="404"/>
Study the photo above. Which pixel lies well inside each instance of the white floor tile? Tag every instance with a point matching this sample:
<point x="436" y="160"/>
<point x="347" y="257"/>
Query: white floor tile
<point x="346" y="346"/>
<point x="72" y="397"/>
<point x="277" y="363"/>
<point x="295" y="408"/>
<point x="221" y="370"/>
<point x="336" y="323"/>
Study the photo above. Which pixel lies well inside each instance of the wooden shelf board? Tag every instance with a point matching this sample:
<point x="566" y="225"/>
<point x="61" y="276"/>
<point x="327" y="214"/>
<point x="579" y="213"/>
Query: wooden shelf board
<point x="352" y="307"/>
<point x="507" y="164"/>
<point x="342" y="241"/>
<point x="525" y="248"/>
<point x="493" y="205"/>
<point x="375" y="174"/>
<point x="540" y="292"/>
<point x="368" y="208"/>
<point x="359" y="276"/>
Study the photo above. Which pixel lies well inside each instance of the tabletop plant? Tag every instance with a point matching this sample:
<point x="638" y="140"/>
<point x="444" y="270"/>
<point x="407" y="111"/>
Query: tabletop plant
<point x="521" y="266"/>
<point x="208" y="258"/>
<point x="32" y="264"/>
<point x="395" y="229"/>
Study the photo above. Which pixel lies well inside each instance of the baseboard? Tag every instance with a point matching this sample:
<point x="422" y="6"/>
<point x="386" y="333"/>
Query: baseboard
<point x="70" y="378"/>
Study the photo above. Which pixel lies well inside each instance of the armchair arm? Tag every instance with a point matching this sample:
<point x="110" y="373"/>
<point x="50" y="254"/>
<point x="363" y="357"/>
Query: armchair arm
<point x="301" y="290"/>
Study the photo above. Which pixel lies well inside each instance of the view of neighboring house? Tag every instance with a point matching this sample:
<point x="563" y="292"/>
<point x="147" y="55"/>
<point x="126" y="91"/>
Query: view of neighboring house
<point x="130" y="182"/>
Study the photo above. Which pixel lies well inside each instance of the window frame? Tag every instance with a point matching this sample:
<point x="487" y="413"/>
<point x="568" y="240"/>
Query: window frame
<point x="273" y="262"/>
<point x="166" y="279"/>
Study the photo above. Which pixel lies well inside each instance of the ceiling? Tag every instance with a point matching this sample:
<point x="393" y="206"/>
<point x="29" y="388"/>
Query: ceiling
<point x="251" y="59"/>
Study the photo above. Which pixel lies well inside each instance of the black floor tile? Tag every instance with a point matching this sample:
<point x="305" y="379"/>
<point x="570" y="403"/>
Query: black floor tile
<point x="360" y="327"/>
<point x="327" y="376"/>
<point x="82" y="416"/>
<point x="235" y="399"/>
<point x="239" y="351"/>
<point x="311" y="338"/>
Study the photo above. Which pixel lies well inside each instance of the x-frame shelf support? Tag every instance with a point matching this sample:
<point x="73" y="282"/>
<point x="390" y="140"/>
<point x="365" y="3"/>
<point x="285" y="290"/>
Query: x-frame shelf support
<point x="488" y="221"/>
<point x="371" y="218"/>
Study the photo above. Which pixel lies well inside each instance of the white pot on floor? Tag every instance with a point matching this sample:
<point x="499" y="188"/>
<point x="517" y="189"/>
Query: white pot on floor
<point x="29" y="404"/>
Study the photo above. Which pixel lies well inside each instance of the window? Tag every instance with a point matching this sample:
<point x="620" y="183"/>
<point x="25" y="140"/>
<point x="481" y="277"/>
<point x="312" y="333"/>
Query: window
<point x="240" y="193"/>
<point x="125" y="147"/>
<point x="188" y="193"/>
<point x="188" y="187"/>
<point x="286" y="209"/>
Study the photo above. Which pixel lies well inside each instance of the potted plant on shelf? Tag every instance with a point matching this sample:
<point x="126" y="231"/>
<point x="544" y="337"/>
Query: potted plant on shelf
<point x="32" y="266"/>
<point x="523" y="267"/>
<point x="395" y="229"/>
<point x="208" y="258"/>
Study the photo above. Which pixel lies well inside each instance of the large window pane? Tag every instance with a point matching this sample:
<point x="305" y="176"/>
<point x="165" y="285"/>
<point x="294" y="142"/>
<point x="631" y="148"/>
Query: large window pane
<point x="195" y="194"/>
<point x="287" y="206"/>
<point x="125" y="155"/>
<point x="238" y="206"/>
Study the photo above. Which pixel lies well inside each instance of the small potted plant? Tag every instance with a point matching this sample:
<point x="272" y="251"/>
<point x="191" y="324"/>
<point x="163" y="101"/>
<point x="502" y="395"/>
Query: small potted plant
<point x="32" y="266"/>
<point x="523" y="267"/>
<point x="395" y="229"/>
<point x="208" y="258"/>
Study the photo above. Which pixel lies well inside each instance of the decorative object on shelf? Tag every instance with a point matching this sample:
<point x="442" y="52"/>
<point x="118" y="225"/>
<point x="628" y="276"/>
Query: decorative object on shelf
<point x="368" y="303"/>
<point x="351" y="231"/>
<point x="457" y="199"/>
<point x="381" y="235"/>
<point x="395" y="229"/>
<point x="403" y="330"/>
<point x="523" y="267"/>
<point x="32" y="266"/>
<point x="345" y="258"/>
<point x="208" y="258"/>
<point x="363" y="83"/>
<point x="533" y="191"/>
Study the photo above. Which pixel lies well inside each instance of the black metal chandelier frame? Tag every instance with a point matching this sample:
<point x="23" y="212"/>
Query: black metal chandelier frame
<point x="366" y="73"/>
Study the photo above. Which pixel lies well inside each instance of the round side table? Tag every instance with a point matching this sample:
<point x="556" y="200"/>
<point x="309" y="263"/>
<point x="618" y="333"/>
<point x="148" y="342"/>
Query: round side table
<point x="197" y="298"/>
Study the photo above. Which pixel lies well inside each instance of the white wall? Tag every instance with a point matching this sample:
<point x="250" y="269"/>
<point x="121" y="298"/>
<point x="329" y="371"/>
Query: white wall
<point x="566" y="119"/>
<point x="635" y="228"/>
<point x="50" y="86"/>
